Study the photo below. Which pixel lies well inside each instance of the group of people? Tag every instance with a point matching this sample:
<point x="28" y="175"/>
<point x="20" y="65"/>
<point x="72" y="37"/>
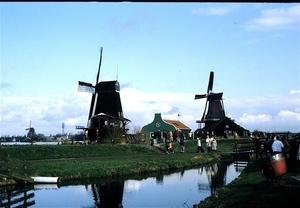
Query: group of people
<point x="170" y="137"/>
<point x="178" y="136"/>
<point x="275" y="144"/>
<point x="211" y="144"/>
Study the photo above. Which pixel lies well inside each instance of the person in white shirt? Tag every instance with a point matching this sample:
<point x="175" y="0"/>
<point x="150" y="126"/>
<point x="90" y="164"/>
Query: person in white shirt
<point x="277" y="146"/>
<point x="213" y="144"/>
<point x="199" y="147"/>
<point x="208" y="143"/>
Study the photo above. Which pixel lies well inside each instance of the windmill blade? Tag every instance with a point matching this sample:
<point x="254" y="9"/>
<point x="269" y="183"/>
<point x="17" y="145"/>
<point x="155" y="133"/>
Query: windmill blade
<point x="200" y="96"/>
<point x="203" y="116"/>
<point x="210" y="83"/>
<point x="85" y="87"/>
<point x="92" y="106"/>
<point x="98" y="74"/>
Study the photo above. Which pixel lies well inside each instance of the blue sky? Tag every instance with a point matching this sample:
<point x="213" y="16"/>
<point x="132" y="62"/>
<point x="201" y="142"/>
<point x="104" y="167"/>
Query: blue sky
<point x="162" y="54"/>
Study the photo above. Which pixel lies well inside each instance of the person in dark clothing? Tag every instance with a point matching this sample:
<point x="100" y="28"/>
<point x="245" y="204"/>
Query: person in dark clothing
<point x="181" y="143"/>
<point x="158" y="135"/>
<point x="268" y="145"/>
<point x="258" y="147"/>
<point x="294" y="143"/>
<point x="167" y="141"/>
<point x="286" y="147"/>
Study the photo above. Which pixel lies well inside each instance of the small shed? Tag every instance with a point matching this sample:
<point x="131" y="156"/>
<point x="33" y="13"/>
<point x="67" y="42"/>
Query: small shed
<point x="159" y="124"/>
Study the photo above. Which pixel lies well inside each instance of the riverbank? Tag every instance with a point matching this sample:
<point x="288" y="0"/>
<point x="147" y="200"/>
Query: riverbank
<point x="74" y="162"/>
<point x="251" y="189"/>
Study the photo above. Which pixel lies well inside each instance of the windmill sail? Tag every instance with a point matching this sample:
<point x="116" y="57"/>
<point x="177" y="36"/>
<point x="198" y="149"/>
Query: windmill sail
<point x="85" y="87"/>
<point x="98" y="74"/>
<point x="95" y="95"/>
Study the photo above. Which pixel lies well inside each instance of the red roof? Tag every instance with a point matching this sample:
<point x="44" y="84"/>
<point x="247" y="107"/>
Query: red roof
<point x="177" y="124"/>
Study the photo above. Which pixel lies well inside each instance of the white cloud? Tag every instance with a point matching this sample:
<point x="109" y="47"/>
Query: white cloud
<point x="46" y="113"/>
<point x="295" y="92"/>
<point x="289" y="116"/>
<point x="254" y="119"/>
<point x="216" y="10"/>
<point x="275" y="19"/>
<point x="283" y="121"/>
<point x="270" y="113"/>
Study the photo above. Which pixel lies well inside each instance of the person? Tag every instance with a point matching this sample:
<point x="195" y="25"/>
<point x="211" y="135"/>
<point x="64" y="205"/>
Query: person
<point x="167" y="141"/>
<point x="214" y="143"/>
<point x="190" y="135"/>
<point x="267" y="146"/>
<point x="164" y="134"/>
<point x="177" y="135"/>
<point x="208" y="143"/>
<point x="199" y="147"/>
<point x="171" y="136"/>
<point x="277" y="146"/>
<point x="170" y="147"/>
<point x="294" y="144"/>
<point x="158" y="135"/>
<point x="257" y="147"/>
<point x="286" y="146"/>
<point x="298" y="148"/>
<point x="181" y="143"/>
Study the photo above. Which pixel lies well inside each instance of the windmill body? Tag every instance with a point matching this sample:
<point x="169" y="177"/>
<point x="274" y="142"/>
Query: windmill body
<point x="105" y="117"/>
<point x="214" y="108"/>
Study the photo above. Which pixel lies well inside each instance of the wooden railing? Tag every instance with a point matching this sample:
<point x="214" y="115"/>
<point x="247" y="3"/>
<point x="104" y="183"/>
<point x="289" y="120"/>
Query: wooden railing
<point x="15" y="169"/>
<point x="244" y="147"/>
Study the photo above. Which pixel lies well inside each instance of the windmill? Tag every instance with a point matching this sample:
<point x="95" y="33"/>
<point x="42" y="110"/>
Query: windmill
<point x="214" y="108"/>
<point x="31" y="132"/>
<point x="105" y="115"/>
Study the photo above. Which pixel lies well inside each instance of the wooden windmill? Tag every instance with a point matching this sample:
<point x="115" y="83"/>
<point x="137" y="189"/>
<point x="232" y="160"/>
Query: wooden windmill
<point x="214" y="108"/>
<point x="106" y="114"/>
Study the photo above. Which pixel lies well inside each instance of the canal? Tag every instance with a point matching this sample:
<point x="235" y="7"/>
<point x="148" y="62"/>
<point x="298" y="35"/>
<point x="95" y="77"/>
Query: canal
<point x="178" y="189"/>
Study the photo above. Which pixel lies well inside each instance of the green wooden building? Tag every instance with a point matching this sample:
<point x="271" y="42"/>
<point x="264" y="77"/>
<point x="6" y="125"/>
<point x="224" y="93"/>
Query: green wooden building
<point x="159" y="124"/>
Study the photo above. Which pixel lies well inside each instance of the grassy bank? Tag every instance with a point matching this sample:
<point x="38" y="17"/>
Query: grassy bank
<point x="251" y="190"/>
<point x="71" y="162"/>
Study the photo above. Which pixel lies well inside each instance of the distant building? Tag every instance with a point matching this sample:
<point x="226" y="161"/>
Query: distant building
<point x="159" y="124"/>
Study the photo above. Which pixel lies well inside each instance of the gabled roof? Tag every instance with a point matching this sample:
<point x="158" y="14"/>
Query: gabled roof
<point x="217" y="123"/>
<point x="177" y="124"/>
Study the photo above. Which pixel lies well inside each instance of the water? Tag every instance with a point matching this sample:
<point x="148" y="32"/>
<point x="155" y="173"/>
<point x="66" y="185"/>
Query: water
<point x="178" y="189"/>
<point x="29" y="143"/>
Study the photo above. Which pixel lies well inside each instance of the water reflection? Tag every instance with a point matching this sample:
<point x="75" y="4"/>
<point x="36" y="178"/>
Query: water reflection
<point x="108" y="194"/>
<point x="216" y="176"/>
<point x="177" y="189"/>
<point x="17" y="196"/>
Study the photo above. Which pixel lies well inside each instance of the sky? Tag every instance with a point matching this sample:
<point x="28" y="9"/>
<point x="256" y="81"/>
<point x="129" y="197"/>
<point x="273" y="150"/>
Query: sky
<point x="161" y="54"/>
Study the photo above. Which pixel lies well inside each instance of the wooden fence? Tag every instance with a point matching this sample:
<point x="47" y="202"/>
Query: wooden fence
<point x="15" y="169"/>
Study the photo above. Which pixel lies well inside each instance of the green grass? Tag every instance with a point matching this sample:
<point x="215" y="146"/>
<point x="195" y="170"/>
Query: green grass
<point x="41" y="152"/>
<point x="119" y="167"/>
<point x="105" y="160"/>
